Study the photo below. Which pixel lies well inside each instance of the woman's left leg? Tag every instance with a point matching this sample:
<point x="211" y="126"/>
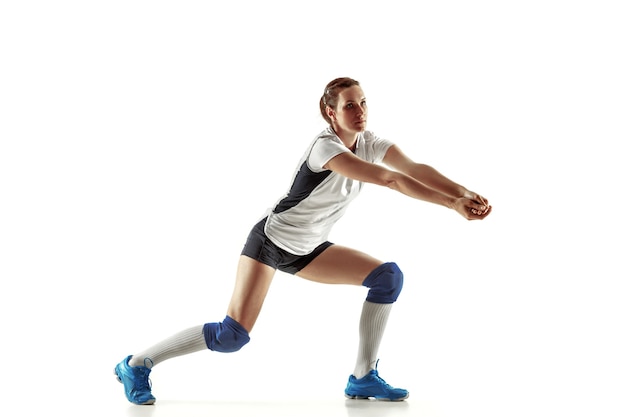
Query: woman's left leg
<point x="342" y="265"/>
<point x="339" y="265"/>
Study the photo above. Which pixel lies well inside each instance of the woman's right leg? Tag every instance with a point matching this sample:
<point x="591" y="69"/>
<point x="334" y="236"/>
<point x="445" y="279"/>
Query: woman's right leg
<point x="251" y="286"/>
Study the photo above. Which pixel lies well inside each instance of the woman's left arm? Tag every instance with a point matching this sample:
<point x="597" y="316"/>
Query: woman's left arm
<point x="429" y="176"/>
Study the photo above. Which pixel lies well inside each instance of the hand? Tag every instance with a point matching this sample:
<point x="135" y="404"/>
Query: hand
<point x="476" y="197"/>
<point x="473" y="206"/>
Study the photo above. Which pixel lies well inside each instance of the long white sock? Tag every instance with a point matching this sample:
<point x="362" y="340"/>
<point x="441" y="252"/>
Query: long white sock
<point x="371" y="329"/>
<point x="182" y="343"/>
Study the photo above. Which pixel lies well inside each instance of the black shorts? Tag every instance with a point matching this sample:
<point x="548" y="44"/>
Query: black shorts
<point x="260" y="247"/>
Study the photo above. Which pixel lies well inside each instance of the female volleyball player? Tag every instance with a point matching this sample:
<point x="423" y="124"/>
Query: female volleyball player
<point x="292" y="237"/>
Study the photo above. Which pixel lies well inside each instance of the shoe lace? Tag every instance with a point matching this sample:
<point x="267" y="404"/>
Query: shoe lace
<point x="142" y="381"/>
<point x="379" y="379"/>
<point x="382" y="381"/>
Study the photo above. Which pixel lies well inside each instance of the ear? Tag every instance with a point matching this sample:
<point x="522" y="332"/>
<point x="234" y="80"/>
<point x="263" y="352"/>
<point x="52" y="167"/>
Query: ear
<point x="330" y="112"/>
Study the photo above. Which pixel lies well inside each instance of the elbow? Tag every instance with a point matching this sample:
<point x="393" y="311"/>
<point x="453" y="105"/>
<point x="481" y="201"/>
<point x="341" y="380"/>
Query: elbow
<point x="391" y="181"/>
<point x="392" y="184"/>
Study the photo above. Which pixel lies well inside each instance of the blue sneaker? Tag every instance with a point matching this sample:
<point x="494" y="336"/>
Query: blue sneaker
<point x="371" y="385"/>
<point x="136" y="383"/>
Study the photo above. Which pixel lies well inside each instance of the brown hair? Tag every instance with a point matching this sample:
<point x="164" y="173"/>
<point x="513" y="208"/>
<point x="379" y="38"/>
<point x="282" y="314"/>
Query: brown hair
<point x="331" y="94"/>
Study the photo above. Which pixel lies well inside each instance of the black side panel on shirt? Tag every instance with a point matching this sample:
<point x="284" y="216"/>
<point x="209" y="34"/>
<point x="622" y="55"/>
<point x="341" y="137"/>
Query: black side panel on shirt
<point x="303" y="185"/>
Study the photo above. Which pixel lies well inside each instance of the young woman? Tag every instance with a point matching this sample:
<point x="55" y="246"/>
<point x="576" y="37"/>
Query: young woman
<point x="292" y="238"/>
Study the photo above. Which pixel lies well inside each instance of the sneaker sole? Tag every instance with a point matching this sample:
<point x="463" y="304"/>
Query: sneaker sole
<point x="363" y="397"/>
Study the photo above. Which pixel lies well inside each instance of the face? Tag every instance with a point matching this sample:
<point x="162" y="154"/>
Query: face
<point x="350" y="116"/>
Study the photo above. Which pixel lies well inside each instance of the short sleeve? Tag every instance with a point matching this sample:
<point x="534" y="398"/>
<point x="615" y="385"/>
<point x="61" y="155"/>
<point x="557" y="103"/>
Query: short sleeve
<point x="375" y="147"/>
<point x="381" y="146"/>
<point x="323" y="150"/>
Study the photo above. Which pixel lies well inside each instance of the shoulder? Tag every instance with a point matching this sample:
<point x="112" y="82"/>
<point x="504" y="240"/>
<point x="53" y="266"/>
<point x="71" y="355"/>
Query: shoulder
<point x="325" y="146"/>
<point x="375" y="147"/>
<point x="370" y="136"/>
<point x="328" y="135"/>
<point x="326" y="140"/>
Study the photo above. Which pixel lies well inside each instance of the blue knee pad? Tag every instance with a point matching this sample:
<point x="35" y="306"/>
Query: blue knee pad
<point x="227" y="336"/>
<point x="385" y="283"/>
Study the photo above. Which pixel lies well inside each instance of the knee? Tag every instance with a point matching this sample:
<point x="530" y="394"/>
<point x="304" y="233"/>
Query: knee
<point x="385" y="283"/>
<point x="227" y="336"/>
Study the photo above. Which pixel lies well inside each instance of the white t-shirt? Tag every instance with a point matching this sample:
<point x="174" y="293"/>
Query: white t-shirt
<point x="302" y="219"/>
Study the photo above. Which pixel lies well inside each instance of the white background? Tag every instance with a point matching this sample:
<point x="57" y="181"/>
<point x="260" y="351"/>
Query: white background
<point x="140" y="140"/>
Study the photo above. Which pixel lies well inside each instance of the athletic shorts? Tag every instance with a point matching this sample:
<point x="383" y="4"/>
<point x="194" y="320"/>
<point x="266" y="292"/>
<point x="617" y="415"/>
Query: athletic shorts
<point x="260" y="247"/>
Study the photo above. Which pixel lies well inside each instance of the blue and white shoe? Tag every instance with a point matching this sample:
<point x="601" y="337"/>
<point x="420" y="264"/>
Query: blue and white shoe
<point x="136" y="382"/>
<point x="373" y="386"/>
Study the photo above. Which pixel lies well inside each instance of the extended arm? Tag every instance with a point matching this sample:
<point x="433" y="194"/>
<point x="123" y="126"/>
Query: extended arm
<point x="414" y="180"/>
<point x="428" y="175"/>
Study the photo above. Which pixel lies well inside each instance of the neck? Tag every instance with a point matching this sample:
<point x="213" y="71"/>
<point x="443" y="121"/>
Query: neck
<point x="348" y="138"/>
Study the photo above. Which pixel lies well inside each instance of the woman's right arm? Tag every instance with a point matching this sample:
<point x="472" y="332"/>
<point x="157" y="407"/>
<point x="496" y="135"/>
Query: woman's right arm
<point x="351" y="166"/>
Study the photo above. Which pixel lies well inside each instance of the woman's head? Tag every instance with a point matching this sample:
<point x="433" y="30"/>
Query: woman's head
<point x="330" y="97"/>
<point x="344" y="107"/>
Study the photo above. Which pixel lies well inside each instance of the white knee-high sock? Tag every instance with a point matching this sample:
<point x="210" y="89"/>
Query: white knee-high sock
<point x="182" y="343"/>
<point x="371" y="329"/>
